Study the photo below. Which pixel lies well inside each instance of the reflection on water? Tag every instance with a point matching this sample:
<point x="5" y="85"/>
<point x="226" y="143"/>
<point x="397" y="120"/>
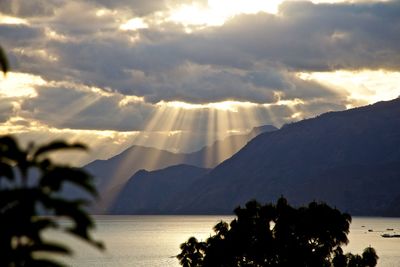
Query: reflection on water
<point x="366" y="231"/>
<point x="154" y="240"/>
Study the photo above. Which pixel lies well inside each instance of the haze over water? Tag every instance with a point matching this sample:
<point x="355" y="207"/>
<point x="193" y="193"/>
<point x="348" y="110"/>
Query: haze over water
<point x="154" y="240"/>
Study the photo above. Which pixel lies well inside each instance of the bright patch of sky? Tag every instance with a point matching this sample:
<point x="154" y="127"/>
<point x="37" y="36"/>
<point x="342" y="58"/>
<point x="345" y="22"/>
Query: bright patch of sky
<point x="217" y="12"/>
<point x="362" y="87"/>
<point x="11" y="20"/>
<point x="20" y="85"/>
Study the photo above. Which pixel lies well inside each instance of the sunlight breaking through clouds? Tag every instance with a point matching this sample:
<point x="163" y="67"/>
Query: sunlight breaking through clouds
<point x="20" y="84"/>
<point x="362" y="87"/>
<point x="132" y="68"/>
<point x="134" y="24"/>
<point x="12" y="20"/>
<point x="217" y="12"/>
<point x="221" y="106"/>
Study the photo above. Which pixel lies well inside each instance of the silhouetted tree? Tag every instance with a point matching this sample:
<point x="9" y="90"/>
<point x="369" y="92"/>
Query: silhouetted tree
<point x="369" y="258"/>
<point x="278" y="235"/>
<point x="192" y="253"/>
<point x="31" y="186"/>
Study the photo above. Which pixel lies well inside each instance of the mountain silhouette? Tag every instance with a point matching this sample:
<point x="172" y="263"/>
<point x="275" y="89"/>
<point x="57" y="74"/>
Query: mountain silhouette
<point x="349" y="159"/>
<point x="112" y="174"/>
<point x="151" y="192"/>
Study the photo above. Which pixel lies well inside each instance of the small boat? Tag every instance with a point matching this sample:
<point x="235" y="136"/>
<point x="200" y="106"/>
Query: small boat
<point x="390" y="236"/>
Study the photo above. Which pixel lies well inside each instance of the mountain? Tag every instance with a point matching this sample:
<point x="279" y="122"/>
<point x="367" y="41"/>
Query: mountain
<point x="350" y="159"/>
<point x="150" y="192"/>
<point x="220" y="150"/>
<point x="112" y="173"/>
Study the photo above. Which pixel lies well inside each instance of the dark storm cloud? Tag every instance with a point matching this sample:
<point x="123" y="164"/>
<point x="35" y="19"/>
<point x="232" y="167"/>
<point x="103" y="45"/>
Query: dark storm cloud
<point x="79" y="19"/>
<point x="306" y="36"/>
<point x="250" y="58"/>
<point x="19" y="35"/>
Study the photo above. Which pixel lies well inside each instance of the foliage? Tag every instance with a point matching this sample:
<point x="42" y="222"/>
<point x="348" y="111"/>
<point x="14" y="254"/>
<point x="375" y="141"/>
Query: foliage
<point x="369" y="258"/>
<point x="30" y="186"/>
<point x="278" y="235"/>
<point x="3" y="61"/>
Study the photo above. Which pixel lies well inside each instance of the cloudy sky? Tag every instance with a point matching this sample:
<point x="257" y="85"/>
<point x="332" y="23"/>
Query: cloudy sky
<point x="180" y="74"/>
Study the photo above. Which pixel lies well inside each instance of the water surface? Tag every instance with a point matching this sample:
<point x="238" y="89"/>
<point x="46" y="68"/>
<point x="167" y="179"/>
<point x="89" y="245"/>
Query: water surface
<point x="154" y="240"/>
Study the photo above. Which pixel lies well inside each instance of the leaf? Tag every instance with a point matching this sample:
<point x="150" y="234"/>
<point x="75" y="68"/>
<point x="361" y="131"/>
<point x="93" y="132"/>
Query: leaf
<point x="23" y="201"/>
<point x="41" y="223"/>
<point x="55" y="178"/>
<point x="3" y="61"/>
<point x="44" y="263"/>
<point x="9" y="148"/>
<point x="51" y="247"/>
<point x="6" y="171"/>
<point x="57" y="145"/>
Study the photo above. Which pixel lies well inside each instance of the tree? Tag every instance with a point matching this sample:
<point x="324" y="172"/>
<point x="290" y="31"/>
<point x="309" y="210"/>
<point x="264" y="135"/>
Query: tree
<point x="30" y="187"/>
<point x="369" y="258"/>
<point x="278" y="235"/>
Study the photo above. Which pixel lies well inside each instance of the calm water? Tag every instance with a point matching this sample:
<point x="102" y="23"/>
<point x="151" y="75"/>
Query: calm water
<point x="154" y="240"/>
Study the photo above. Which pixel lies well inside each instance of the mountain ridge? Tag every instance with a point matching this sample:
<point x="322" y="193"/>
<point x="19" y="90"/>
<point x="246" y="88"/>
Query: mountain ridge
<point x="347" y="150"/>
<point x="307" y="148"/>
<point x="112" y="173"/>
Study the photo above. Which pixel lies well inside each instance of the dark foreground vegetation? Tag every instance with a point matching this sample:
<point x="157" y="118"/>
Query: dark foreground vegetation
<point x="31" y="201"/>
<point x="30" y="187"/>
<point x="280" y="236"/>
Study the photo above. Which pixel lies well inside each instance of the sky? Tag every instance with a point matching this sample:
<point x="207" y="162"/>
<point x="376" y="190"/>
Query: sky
<point x="178" y="75"/>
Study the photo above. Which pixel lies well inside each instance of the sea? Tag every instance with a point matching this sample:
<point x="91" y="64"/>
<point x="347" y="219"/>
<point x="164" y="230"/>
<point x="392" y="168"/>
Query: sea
<point x="134" y="241"/>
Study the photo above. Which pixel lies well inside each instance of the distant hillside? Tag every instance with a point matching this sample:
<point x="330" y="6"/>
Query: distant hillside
<point x="211" y="156"/>
<point x="117" y="170"/>
<point x="151" y="192"/>
<point x="349" y="159"/>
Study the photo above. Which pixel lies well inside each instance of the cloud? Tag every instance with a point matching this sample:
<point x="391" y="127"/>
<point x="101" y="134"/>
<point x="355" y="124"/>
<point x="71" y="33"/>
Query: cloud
<point x="19" y="35"/>
<point x="100" y="77"/>
<point x="246" y="59"/>
<point x="312" y="37"/>
<point x="31" y="8"/>
<point x="7" y="109"/>
<point x="145" y="7"/>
